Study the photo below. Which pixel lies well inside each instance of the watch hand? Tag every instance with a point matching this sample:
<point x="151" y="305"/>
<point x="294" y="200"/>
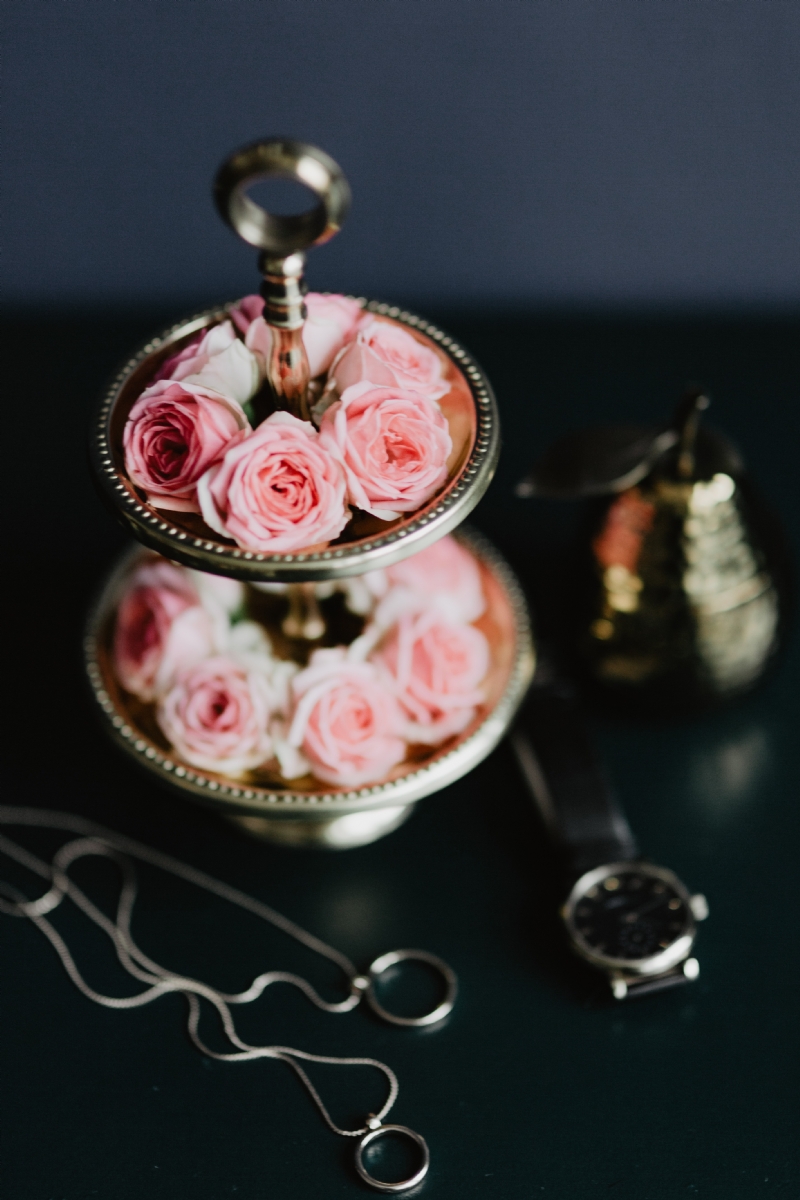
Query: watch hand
<point x="646" y="908"/>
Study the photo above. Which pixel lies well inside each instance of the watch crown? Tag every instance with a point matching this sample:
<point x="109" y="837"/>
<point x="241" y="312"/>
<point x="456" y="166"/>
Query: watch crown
<point x="699" y="906"/>
<point x="619" y="987"/>
<point x="691" y="968"/>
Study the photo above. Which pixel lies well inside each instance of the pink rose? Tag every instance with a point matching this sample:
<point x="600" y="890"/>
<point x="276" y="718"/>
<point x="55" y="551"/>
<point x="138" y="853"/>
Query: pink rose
<point x="160" y="629"/>
<point x="218" y="593"/>
<point x="276" y="490"/>
<point x="246" y="311"/>
<point x="258" y="340"/>
<point x="216" y="360"/>
<point x="385" y="354"/>
<point x="248" y="318"/>
<point x="345" y="720"/>
<point x="216" y="717"/>
<point x="331" y="322"/>
<point x="393" y="444"/>
<point x="174" y="433"/>
<point x="445" y="575"/>
<point x="435" y="667"/>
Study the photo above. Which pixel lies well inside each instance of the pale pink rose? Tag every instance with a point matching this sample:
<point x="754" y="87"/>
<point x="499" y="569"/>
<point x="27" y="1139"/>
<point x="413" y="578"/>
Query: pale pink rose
<point x="258" y="340"/>
<point x="276" y="490"/>
<point x="345" y="720"/>
<point x="160" y="629"/>
<point x="222" y="599"/>
<point x="393" y="444"/>
<point x="435" y="667"/>
<point x="444" y="575"/>
<point x="385" y="354"/>
<point x="217" y="592"/>
<point x="331" y="323"/>
<point x="174" y="433"/>
<point x="248" y="318"/>
<point x="216" y="717"/>
<point x="217" y="360"/>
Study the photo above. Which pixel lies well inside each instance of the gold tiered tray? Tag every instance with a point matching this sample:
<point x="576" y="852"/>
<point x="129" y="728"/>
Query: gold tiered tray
<point x="366" y="543"/>
<point x="306" y="811"/>
<point x="312" y="813"/>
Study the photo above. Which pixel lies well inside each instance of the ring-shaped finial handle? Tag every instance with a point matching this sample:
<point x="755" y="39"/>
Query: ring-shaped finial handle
<point x="391" y="959"/>
<point x="404" y="1184"/>
<point x="282" y="158"/>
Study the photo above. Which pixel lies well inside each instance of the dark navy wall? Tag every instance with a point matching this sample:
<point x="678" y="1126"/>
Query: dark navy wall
<point x="635" y="152"/>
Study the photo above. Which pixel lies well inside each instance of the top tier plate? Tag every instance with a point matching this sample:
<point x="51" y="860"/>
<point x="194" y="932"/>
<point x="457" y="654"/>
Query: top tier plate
<point x="366" y="542"/>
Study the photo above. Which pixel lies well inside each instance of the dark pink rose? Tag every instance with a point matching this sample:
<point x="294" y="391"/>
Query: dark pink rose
<point x="174" y="433"/>
<point x="445" y="575"/>
<point x="217" y="360"/>
<point x="383" y="353"/>
<point x="435" y="667"/>
<point x="246" y="311"/>
<point x="276" y="490"/>
<point x="160" y="629"/>
<point x="393" y="445"/>
<point x="216" y="716"/>
<point x="345" y="720"/>
<point x="172" y="368"/>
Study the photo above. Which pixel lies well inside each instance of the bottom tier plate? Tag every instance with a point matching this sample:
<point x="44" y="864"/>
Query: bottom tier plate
<point x="319" y="815"/>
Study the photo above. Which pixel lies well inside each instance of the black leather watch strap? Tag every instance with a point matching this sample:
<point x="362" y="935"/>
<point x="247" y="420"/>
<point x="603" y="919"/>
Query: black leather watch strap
<point x="647" y="985"/>
<point x="567" y="781"/>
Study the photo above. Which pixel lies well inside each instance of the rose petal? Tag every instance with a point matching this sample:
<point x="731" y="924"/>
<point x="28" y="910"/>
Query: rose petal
<point x="345" y="720"/>
<point x="216" y="717"/>
<point x="393" y="445"/>
<point x="174" y="432"/>
<point x="160" y="628"/>
<point x="276" y="490"/>
<point x="386" y="354"/>
<point x="435" y="668"/>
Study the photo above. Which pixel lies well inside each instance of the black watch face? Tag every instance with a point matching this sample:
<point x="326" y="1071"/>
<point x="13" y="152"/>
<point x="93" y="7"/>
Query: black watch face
<point x="629" y="914"/>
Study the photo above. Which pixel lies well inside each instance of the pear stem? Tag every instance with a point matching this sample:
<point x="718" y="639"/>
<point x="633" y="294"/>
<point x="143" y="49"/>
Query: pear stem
<point x="686" y="422"/>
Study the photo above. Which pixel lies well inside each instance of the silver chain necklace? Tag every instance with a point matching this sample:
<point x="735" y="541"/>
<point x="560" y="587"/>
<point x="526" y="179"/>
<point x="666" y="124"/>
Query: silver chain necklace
<point x="94" y="840"/>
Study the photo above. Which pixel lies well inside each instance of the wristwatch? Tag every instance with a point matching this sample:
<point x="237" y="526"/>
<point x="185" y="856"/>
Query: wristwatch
<point x="632" y="920"/>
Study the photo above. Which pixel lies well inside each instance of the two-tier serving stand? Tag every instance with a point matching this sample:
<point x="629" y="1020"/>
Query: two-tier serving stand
<point x="313" y="814"/>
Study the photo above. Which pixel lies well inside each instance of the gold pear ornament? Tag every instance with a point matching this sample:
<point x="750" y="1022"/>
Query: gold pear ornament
<point x="683" y="596"/>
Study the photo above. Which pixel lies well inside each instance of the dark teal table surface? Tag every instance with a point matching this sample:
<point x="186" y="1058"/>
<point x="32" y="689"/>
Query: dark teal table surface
<point x="534" y="1087"/>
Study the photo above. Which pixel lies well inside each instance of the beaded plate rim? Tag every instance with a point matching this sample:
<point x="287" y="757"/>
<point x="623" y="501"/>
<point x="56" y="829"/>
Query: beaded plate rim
<point x="242" y="799"/>
<point x="154" y="529"/>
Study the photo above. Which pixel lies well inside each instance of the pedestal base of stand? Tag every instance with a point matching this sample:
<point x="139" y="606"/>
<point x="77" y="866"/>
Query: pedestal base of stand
<point x="332" y="833"/>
